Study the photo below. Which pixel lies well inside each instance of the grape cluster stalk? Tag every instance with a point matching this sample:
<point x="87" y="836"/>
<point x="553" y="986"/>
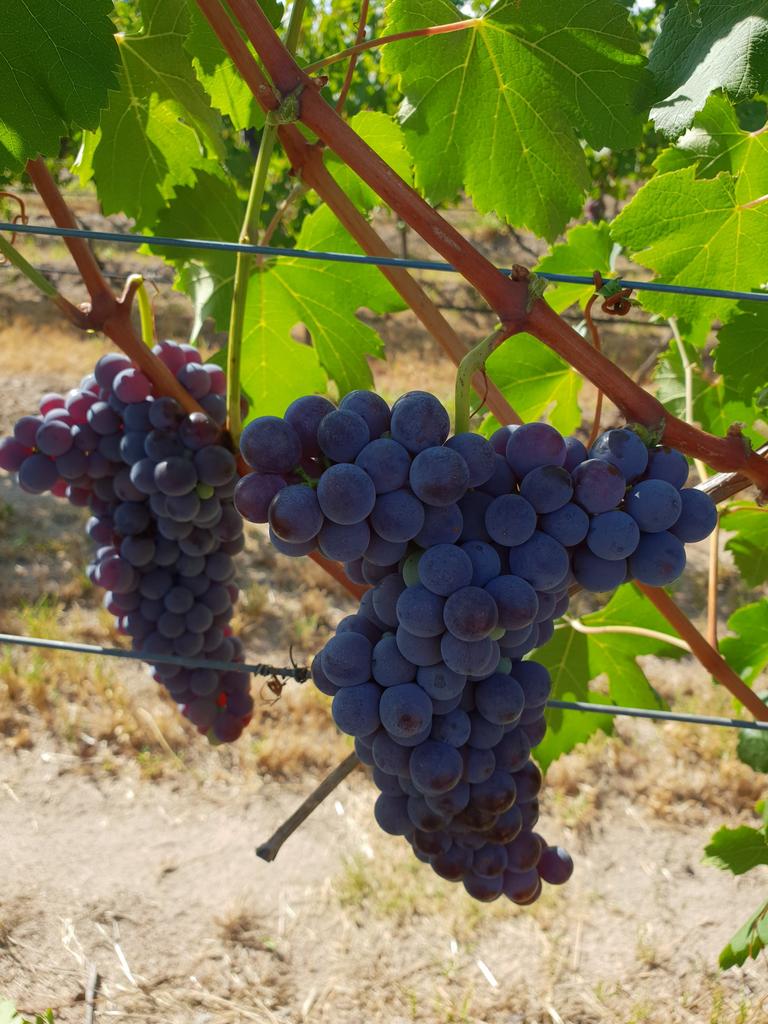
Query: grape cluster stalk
<point x="470" y="546"/>
<point x="159" y="484"/>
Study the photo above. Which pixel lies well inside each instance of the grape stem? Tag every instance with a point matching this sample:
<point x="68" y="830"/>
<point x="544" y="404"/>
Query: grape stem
<point x="472" y="363"/>
<point x="270" y="849"/>
<point x="307" y="161"/>
<point x="250" y="235"/>
<point x="70" y="311"/>
<point x="107" y="313"/>
<point x="508" y="298"/>
<point x="713" y="662"/>
<point x="395" y="37"/>
<point x="146" y="313"/>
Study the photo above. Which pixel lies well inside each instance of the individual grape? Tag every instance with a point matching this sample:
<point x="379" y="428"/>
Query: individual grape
<point x="420" y="611"/>
<point x="470" y="613"/>
<point x="484" y="889"/>
<point x="477" y="453"/>
<point x="524" y="852"/>
<point x="421" y="651"/>
<point x="343" y="543"/>
<point x="500" y="699"/>
<point x="435" y="767"/>
<point x="386" y="462"/>
<point x="541" y="561"/>
<point x="13" y="454"/>
<point x="555" y="865"/>
<point x="175" y="476"/>
<point x="444" y="707"/>
<point x="359" y="624"/>
<point x="294" y="514"/>
<point x="484" y="735"/>
<point x="291" y="550"/>
<point x="452" y="802"/>
<point x="502" y="480"/>
<point x="25" y="430"/>
<point x="163" y="413"/>
<point x="442" y="525"/>
<point x="364" y="752"/>
<point x="304" y="415"/>
<point x="389" y="666"/>
<point x="389" y="755"/>
<point x="219" y="567"/>
<point x="466" y="657"/>
<point x="528" y="782"/>
<point x="355" y="709"/>
<point x="440" y="682"/>
<point x="486" y="564"/>
<point x="444" y="569"/>
<point x="108" y="367"/>
<point x="535" y="681"/>
<point x="576" y="453"/>
<point x="515" y="599"/>
<point x="698" y="516"/>
<point x="568" y="525"/>
<point x="184" y="508"/>
<point x="422" y="815"/>
<point x="597" y="486"/>
<point x="655" y="505"/>
<point x="215" y="465"/>
<point x="496" y="794"/>
<point x="507" y="826"/>
<point x="532" y="445"/>
<point x="513" y="750"/>
<point x="371" y="407"/>
<point x="374" y="574"/>
<point x="391" y="814"/>
<point x="78" y="403"/>
<point x="489" y="861"/>
<point x="453" y="863"/>
<point x="383" y="552"/>
<point x="521" y="887"/>
<point x="613" y="535"/>
<point x="667" y="464"/>
<point x="624" y="450"/>
<point x="536" y="731"/>
<point x="131" y="385"/>
<point x="346" y="495"/>
<point x="473" y="507"/>
<point x="479" y="763"/>
<point x="510" y="520"/>
<point x="405" y="710"/>
<point x="198" y="430"/>
<point x="254" y="493"/>
<point x="102" y="419"/>
<point x="397" y="515"/>
<point x="270" y="445"/>
<point x="170" y="625"/>
<point x="597" y="574"/>
<point x="453" y="728"/>
<point x="53" y="438"/>
<point x="419" y="421"/>
<point x="346" y="659"/>
<point x="130" y="518"/>
<point x="342" y="435"/>
<point x="37" y="474"/>
<point x="547" y="488"/>
<point x="321" y="680"/>
<point x="658" y="560"/>
<point x="439" y="476"/>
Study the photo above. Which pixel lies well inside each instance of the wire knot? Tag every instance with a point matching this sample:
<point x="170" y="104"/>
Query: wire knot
<point x="617" y="299"/>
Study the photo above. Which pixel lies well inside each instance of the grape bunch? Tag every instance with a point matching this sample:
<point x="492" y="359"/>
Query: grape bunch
<point x="470" y="546"/>
<point x="159" y="484"/>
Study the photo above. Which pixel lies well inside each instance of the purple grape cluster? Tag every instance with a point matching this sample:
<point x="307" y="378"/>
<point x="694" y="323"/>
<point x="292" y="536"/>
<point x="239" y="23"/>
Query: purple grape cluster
<point x="471" y="546"/>
<point x="160" y="488"/>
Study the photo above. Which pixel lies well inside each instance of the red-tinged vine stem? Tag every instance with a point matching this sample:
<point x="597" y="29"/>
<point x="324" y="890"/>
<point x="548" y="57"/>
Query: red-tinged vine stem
<point x="307" y="162"/>
<point x="349" y="76"/>
<point x="509" y="299"/>
<point x="598" y="348"/>
<point x="395" y="37"/>
<point x="713" y="662"/>
<point x="107" y="313"/>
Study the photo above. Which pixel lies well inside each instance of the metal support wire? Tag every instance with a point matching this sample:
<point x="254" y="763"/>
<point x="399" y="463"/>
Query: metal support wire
<point x="301" y="675"/>
<point x="347" y="257"/>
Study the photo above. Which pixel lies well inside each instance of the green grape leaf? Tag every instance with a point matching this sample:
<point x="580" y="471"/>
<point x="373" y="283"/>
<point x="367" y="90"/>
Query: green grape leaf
<point x="59" y="58"/>
<point x="747" y="652"/>
<point x="694" y="232"/>
<point x="160" y="116"/>
<point x="748" y="941"/>
<point x="716" y="44"/>
<point x="8" y="1014"/>
<point x="737" y="849"/>
<point x="740" y="352"/>
<point x="323" y="296"/>
<point x="217" y="72"/>
<point x="384" y="135"/>
<point x="716" y="143"/>
<point x="536" y="381"/>
<point x="575" y="658"/>
<point x="749" y="546"/>
<point x="587" y="247"/>
<point x="752" y="749"/>
<point x="498" y="109"/>
<point x="208" y="209"/>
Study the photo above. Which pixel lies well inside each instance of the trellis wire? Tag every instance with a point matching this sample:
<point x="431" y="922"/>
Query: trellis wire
<point x="203" y="244"/>
<point x="303" y="674"/>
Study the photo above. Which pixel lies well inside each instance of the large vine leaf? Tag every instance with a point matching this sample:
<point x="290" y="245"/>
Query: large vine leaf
<point x="385" y="136"/>
<point x="497" y="109"/>
<point x="740" y="352"/>
<point x="323" y="296"/>
<point x="58" y="60"/>
<point x="159" y="128"/>
<point x="749" y="546"/>
<point x="537" y="383"/>
<point x="217" y="73"/>
<point x="695" y="232"/>
<point x="747" y="652"/>
<point x="716" y="44"/>
<point x="575" y="658"/>
<point x="587" y="247"/>
<point x="737" y="849"/>
<point x="716" y="143"/>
